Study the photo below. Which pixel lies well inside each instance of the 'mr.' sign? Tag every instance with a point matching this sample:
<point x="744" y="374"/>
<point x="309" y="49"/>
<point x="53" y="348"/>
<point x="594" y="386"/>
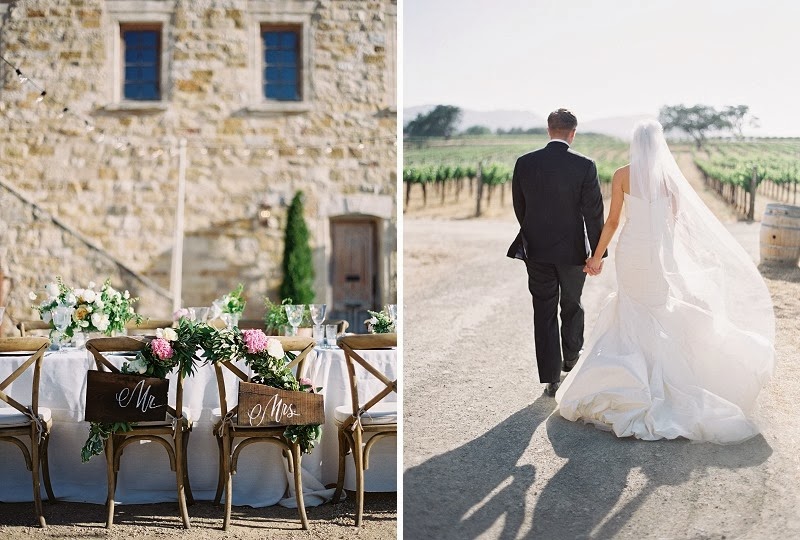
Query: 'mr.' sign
<point x="117" y="397"/>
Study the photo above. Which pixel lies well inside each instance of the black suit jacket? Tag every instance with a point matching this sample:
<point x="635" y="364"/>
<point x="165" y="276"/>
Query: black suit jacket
<point x="556" y="191"/>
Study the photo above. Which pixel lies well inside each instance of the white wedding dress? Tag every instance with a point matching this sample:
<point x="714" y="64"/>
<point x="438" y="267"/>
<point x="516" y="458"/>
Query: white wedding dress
<point x="684" y="346"/>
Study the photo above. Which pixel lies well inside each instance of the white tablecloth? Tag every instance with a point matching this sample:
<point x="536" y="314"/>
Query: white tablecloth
<point x="144" y="474"/>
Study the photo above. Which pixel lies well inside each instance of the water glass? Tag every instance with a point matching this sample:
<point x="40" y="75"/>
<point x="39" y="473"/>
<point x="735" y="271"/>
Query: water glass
<point x="318" y="333"/>
<point x="62" y="316"/>
<point x="294" y="312"/>
<point x="330" y="336"/>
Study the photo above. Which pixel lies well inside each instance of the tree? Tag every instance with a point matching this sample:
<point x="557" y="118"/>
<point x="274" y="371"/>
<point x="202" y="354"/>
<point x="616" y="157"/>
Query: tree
<point x="298" y="266"/>
<point x="696" y="120"/>
<point x="477" y="130"/>
<point x="440" y="122"/>
<point x="736" y="116"/>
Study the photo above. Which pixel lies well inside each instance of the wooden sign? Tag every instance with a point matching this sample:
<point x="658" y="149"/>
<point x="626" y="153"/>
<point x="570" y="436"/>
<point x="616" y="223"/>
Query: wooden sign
<point x="117" y="397"/>
<point x="264" y="406"/>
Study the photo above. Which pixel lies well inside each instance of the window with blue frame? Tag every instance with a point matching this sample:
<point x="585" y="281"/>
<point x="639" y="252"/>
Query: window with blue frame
<point x="282" y="63"/>
<point x="142" y="70"/>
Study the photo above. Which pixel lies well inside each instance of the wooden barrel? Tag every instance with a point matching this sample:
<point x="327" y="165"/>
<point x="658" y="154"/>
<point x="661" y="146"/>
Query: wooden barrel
<point x="780" y="234"/>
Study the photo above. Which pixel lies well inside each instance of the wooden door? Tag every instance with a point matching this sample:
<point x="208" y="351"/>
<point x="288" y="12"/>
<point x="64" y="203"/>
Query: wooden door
<point x="354" y="271"/>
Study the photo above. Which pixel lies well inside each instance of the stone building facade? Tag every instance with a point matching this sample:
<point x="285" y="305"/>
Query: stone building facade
<point x="90" y="178"/>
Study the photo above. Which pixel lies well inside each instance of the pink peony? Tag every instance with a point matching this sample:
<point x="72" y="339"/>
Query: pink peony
<point x="255" y="341"/>
<point x="161" y="348"/>
<point x="306" y="382"/>
<point x="179" y="314"/>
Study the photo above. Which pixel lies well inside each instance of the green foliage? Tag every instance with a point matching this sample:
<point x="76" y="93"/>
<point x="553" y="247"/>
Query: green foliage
<point x="276" y="316"/>
<point x="696" y="120"/>
<point x="298" y="265"/>
<point x="233" y="302"/>
<point x="98" y="433"/>
<point x="380" y="322"/>
<point x="440" y="122"/>
<point x="307" y="435"/>
<point x="477" y="130"/>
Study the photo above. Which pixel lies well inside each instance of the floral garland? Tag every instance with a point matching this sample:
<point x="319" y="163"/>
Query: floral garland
<point x="172" y="348"/>
<point x="266" y="357"/>
<point x="176" y="348"/>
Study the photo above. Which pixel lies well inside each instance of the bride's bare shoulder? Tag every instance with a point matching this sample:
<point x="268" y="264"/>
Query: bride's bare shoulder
<point x="624" y="171"/>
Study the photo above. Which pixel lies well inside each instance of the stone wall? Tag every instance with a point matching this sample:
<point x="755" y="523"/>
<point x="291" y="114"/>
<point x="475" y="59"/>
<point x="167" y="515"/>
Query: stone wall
<point x="117" y="184"/>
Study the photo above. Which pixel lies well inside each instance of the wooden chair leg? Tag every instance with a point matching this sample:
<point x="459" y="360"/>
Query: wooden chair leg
<point x="358" y="457"/>
<point x="186" y="485"/>
<point x="112" y="481"/>
<point x="46" y="468"/>
<point x="298" y="485"/>
<point x="337" y="495"/>
<point x="228" y="477"/>
<point x="220" y="471"/>
<point x="180" y="474"/>
<point x="37" y="488"/>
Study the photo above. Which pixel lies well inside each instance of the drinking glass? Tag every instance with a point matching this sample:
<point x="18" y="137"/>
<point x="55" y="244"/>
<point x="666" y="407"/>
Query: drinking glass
<point x="62" y="315"/>
<point x="317" y="316"/>
<point x="201" y="313"/>
<point x="330" y="336"/>
<point x="391" y="309"/>
<point x="294" y="312"/>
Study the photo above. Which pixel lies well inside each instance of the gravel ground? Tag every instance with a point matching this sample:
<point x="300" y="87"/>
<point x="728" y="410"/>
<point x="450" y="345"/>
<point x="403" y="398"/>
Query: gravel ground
<point x="485" y="456"/>
<point x="74" y="520"/>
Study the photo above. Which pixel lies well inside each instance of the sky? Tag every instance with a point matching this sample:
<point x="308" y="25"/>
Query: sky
<point x="605" y="58"/>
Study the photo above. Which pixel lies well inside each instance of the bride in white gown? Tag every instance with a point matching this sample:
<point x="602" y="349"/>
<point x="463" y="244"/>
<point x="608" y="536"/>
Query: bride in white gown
<point x="686" y="344"/>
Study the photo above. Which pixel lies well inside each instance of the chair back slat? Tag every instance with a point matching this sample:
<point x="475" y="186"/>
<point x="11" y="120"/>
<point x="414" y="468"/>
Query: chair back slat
<point x="34" y="348"/>
<point x="26" y="326"/>
<point x="363" y="342"/>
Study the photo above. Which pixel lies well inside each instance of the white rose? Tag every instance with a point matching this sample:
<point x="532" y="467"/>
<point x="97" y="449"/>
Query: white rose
<point x="52" y="290"/>
<point x="47" y="316"/>
<point x="71" y="300"/>
<point x="274" y="348"/>
<point x="32" y="295"/>
<point x="126" y="295"/>
<point x="89" y="295"/>
<point x="170" y="334"/>
<point x="100" y="321"/>
<point x="99" y="303"/>
<point x="373" y="321"/>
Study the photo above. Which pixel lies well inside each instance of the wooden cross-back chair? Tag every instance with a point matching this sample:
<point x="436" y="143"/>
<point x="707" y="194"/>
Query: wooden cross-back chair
<point x="26" y="327"/>
<point x="173" y="435"/>
<point x="227" y="431"/>
<point x="363" y="417"/>
<point x="19" y="422"/>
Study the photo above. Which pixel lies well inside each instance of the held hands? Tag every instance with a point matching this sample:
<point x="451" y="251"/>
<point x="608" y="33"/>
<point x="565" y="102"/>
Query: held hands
<point x="594" y="265"/>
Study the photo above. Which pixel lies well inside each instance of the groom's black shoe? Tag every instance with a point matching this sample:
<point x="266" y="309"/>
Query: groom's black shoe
<point x="551" y="388"/>
<point x="568" y="365"/>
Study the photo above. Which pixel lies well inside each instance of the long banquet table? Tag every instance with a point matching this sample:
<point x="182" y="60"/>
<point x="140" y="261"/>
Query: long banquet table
<point x="145" y="476"/>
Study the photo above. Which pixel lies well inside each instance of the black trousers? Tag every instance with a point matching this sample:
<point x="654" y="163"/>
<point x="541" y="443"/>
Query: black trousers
<point x="548" y="283"/>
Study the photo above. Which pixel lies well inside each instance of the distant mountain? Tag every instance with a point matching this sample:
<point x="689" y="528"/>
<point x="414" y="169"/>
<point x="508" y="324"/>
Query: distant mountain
<point x="491" y="119"/>
<point x="618" y="126"/>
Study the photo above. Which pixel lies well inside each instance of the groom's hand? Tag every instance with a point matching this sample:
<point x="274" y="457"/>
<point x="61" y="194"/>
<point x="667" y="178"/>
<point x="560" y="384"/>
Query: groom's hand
<point x="593" y="266"/>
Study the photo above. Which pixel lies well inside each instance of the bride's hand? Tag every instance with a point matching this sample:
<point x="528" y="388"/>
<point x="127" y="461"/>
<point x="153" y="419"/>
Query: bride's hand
<point x="594" y="265"/>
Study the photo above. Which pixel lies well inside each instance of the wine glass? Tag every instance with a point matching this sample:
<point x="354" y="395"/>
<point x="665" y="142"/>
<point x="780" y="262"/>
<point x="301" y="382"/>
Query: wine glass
<point x="317" y="316"/>
<point x="62" y="315"/>
<point x="294" y="312"/>
<point x="391" y="309"/>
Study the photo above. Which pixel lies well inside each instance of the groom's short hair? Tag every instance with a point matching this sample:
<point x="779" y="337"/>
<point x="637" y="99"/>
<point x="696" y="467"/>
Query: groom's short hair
<point x="562" y="120"/>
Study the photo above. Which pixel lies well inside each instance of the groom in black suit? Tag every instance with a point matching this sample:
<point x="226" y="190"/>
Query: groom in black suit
<point x="559" y="207"/>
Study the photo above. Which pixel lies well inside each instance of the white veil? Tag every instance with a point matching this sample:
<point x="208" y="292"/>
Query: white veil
<point x="703" y="264"/>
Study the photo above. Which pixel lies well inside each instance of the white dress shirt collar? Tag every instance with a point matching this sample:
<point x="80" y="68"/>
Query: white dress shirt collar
<point x="559" y="140"/>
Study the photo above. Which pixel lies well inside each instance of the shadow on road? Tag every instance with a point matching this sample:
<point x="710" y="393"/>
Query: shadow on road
<point x="581" y="499"/>
<point x="450" y="495"/>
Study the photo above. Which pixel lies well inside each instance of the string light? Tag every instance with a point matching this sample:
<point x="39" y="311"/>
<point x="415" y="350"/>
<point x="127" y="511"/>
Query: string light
<point x="120" y="143"/>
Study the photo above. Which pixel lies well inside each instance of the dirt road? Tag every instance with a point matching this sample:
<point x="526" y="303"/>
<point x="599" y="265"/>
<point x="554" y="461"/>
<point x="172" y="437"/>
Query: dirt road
<point x="486" y="457"/>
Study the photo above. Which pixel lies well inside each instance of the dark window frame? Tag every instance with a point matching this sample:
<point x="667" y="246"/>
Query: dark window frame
<point x="297" y="30"/>
<point x="126" y="28"/>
